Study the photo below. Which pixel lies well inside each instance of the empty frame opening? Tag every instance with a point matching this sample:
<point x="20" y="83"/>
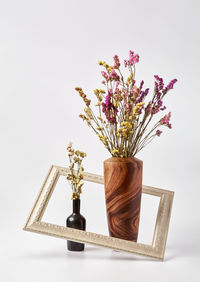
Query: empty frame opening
<point x="148" y="214"/>
<point x="93" y="208"/>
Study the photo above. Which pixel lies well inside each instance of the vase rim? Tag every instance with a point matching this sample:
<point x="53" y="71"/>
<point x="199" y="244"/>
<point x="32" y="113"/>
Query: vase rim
<point x="124" y="160"/>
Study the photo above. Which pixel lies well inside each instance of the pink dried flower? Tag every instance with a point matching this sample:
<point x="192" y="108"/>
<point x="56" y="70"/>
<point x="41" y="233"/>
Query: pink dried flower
<point x="125" y="63"/>
<point x="148" y="108"/>
<point x="158" y="132"/>
<point x="116" y="62"/>
<point x="136" y="59"/>
<point x="124" y="93"/>
<point x="155" y="110"/>
<point x="104" y="74"/>
<point x="128" y="107"/>
<point x="135" y="92"/>
<point x="114" y="76"/>
<point x="133" y="59"/>
<point x="117" y="84"/>
<point x="166" y="120"/>
<point x="109" y="109"/>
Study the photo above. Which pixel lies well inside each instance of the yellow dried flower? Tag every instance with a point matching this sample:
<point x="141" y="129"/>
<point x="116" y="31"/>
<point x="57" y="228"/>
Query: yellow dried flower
<point x="77" y="153"/>
<point x="83" y="155"/>
<point x="76" y="159"/>
<point x="69" y="146"/>
<point x="137" y="108"/>
<point x="100" y="63"/>
<point x="98" y="92"/>
<point x="116" y="104"/>
<point x="126" y="124"/>
<point x="88" y="113"/>
<point x="83" y="117"/>
<point x="124" y="135"/>
<point x="100" y="128"/>
<point x="115" y="151"/>
<point x="109" y="69"/>
<point x="79" y="190"/>
<point x="103" y="139"/>
<point x="75" y="176"/>
<point x="129" y="79"/>
<point x="83" y="96"/>
<point x="69" y="177"/>
<point x="80" y="184"/>
<point x="81" y="176"/>
<point x="100" y="118"/>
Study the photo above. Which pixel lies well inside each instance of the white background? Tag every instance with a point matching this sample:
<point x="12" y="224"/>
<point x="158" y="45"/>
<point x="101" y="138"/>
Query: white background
<point x="46" y="49"/>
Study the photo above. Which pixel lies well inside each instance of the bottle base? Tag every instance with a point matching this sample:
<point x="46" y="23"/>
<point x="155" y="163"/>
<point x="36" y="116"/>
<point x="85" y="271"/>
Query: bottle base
<point x="74" y="246"/>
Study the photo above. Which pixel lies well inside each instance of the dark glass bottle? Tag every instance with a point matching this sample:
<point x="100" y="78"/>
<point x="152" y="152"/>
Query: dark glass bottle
<point x="77" y="221"/>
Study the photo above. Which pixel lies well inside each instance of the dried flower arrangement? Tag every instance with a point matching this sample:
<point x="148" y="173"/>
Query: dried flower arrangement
<point x="123" y="116"/>
<point x="75" y="176"/>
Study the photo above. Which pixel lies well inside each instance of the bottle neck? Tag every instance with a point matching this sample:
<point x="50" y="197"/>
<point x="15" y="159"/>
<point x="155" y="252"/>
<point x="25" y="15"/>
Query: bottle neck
<point x="76" y="206"/>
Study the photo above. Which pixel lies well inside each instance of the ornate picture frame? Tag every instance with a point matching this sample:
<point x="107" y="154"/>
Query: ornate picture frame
<point x="34" y="222"/>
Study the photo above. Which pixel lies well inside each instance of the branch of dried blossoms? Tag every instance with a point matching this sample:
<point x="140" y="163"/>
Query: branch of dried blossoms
<point x="75" y="176"/>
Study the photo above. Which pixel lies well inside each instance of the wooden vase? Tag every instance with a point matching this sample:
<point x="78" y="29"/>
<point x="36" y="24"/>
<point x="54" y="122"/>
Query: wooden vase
<point x="123" y="189"/>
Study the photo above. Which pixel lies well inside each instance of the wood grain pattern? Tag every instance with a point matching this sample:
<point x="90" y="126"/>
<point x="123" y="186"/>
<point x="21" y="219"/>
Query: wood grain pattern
<point x="123" y="189"/>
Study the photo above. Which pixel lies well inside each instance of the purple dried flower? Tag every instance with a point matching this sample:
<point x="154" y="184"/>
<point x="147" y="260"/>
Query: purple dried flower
<point x="160" y="82"/>
<point x="163" y="108"/>
<point x="170" y="86"/>
<point x="156" y="87"/>
<point x="143" y="94"/>
<point x="141" y="84"/>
